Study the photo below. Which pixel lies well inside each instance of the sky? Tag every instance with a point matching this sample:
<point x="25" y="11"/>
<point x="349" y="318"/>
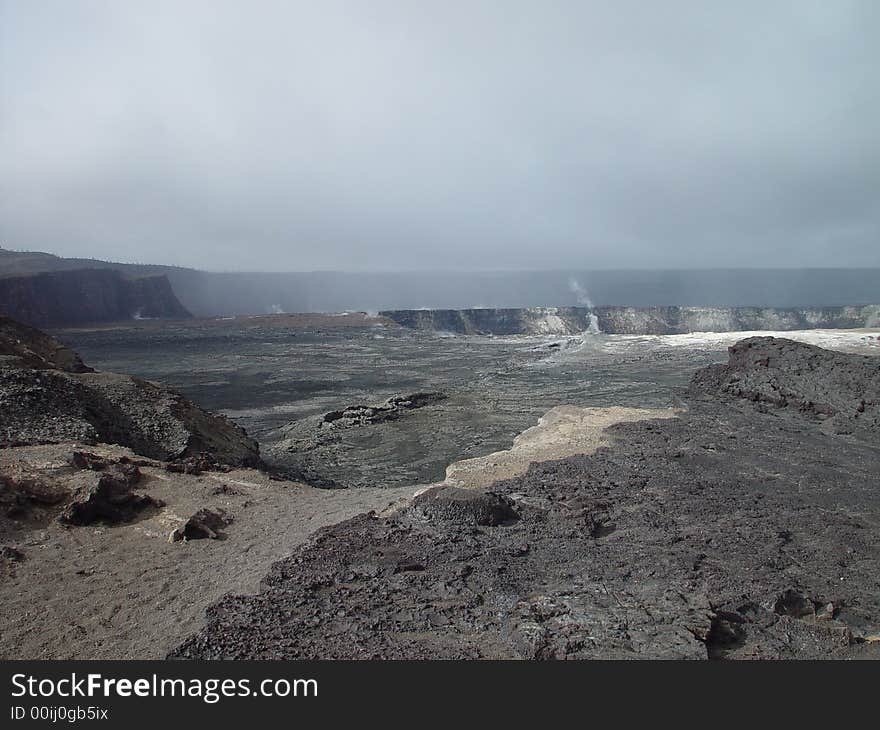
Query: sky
<point x="447" y="134"/>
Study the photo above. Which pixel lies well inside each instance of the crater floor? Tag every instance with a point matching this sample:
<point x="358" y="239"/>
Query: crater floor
<point x="277" y="381"/>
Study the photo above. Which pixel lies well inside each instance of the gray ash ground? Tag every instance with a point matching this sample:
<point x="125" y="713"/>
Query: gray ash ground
<point x="278" y="383"/>
<point x="742" y="529"/>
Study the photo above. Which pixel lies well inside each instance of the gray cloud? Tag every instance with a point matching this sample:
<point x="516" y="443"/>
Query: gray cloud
<point x="405" y="135"/>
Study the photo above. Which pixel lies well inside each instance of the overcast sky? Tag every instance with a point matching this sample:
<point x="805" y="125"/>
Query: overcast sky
<point x="459" y="134"/>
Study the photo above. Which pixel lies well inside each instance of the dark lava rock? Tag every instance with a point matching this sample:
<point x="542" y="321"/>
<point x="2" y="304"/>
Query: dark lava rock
<point x="394" y="407"/>
<point x="840" y="388"/>
<point x="795" y="604"/>
<point x="716" y="515"/>
<point x="10" y="553"/>
<point x="24" y="346"/>
<point x="88" y="460"/>
<point x="204" y="524"/>
<point x="90" y="489"/>
<point x="106" y="496"/>
<point x="196" y="465"/>
<point x="41" y="405"/>
<point x="20" y="488"/>
<point x="463" y="506"/>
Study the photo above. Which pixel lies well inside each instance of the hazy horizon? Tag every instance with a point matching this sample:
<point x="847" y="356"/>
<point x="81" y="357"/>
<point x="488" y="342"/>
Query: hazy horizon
<point x="442" y="271"/>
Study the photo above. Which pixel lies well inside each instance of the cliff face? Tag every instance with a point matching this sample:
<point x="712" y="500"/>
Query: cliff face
<point x="633" y="320"/>
<point x="81" y="296"/>
<point x="48" y="395"/>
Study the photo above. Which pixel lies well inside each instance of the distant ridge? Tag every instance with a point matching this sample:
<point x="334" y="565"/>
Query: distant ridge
<point x="207" y="294"/>
<point x="86" y="296"/>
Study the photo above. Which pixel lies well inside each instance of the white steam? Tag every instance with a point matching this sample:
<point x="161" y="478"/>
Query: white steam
<point x="583" y="297"/>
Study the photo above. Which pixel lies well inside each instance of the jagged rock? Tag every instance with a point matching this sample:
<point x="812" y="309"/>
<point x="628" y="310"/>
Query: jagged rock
<point x="204" y="524"/>
<point x="464" y="506"/>
<point x="88" y="488"/>
<point x="795" y="604"/>
<point x="727" y="632"/>
<point x="33" y="488"/>
<point x="46" y="405"/>
<point x="88" y="460"/>
<point x="7" y="552"/>
<point x="195" y="465"/>
<point x="362" y="415"/>
<point x="106" y="496"/>
<point x="841" y="389"/>
<point x="25" y="346"/>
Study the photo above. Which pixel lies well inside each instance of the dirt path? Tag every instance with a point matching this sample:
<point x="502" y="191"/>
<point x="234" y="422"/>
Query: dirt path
<point x="125" y="592"/>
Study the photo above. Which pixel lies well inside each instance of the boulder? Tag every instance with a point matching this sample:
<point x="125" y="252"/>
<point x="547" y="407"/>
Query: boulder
<point x="464" y="506"/>
<point x="106" y="496"/>
<point x="204" y="524"/>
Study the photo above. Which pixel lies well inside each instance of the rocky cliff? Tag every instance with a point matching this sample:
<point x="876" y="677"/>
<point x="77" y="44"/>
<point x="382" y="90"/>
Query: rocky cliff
<point x="632" y="320"/>
<point x="841" y="391"/>
<point x="24" y="346"/>
<point x="82" y="296"/>
<point x="47" y="395"/>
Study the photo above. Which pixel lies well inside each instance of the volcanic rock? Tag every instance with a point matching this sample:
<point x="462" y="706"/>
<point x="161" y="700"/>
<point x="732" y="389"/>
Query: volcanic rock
<point x="87" y="295"/>
<point x="8" y="552"/>
<point x="106" y="496"/>
<point x="683" y="538"/>
<point x="842" y="389"/>
<point x="20" y="487"/>
<point x="362" y="415"/>
<point x="28" y="347"/>
<point x="204" y="524"/>
<point x="40" y="405"/>
<point x="463" y="506"/>
<point x="631" y="320"/>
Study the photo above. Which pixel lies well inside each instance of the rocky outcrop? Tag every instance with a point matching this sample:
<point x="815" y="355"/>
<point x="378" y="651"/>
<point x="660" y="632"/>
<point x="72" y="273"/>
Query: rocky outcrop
<point x="85" y="296"/>
<point x="312" y="444"/>
<point x="632" y="320"/>
<point x="40" y="406"/>
<point x="731" y="531"/>
<point x="43" y="407"/>
<point x="105" y="495"/>
<point x="463" y="506"/>
<point x="28" y="347"/>
<point x="393" y="407"/>
<point x="206" y="524"/>
<point x="839" y="389"/>
<point x="85" y="490"/>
